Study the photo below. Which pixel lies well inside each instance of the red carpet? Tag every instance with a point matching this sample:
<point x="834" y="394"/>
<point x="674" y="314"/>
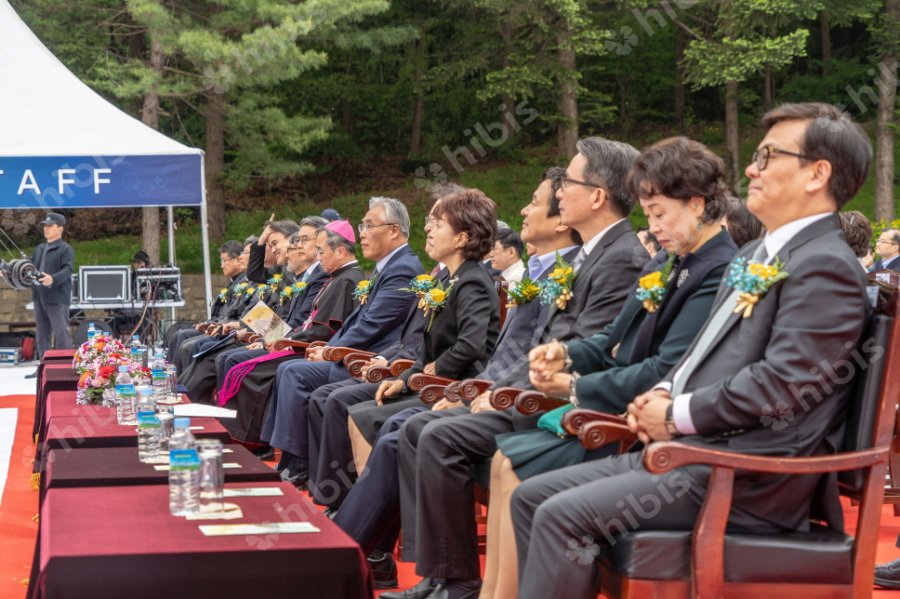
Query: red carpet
<point x="19" y="508"/>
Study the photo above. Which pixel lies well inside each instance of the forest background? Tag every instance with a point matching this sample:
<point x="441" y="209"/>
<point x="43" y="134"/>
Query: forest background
<point x="304" y="105"/>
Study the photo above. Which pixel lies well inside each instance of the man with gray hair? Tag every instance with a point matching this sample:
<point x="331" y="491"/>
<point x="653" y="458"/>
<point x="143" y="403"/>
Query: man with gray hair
<point x="373" y="326"/>
<point x="887" y="246"/>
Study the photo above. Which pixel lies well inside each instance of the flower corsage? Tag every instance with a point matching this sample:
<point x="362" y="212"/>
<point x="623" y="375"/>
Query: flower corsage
<point x="291" y="290"/>
<point x="753" y="281"/>
<point x="523" y="293"/>
<point x="557" y="288"/>
<point x="651" y="289"/>
<point x="361" y="293"/>
<point x="421" y="285"/>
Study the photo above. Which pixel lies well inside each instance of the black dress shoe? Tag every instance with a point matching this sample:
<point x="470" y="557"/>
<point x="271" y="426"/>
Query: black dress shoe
<point x="887" y="576"/>
<point x="330" y="512"/>
<point x="384" y="571"/>
<point x="33" y="375"/>
<point x="425" y="587"/>
<point x="264" y="452"/>
<point x="457" y="589"/>
<point x="298" y="479"/>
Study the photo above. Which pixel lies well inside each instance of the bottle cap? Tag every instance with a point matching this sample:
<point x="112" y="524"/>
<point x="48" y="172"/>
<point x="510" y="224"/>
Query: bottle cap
<point x="123" y="368"/>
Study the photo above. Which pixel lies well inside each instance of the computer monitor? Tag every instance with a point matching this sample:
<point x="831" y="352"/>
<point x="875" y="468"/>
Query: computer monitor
<point x="105" y="283"/>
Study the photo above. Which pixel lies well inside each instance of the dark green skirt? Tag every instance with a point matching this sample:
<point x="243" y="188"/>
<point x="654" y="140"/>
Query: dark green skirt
<point x="537" y="451"/>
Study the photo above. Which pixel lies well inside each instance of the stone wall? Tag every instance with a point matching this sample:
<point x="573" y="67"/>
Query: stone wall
<point x="14" y="315"/>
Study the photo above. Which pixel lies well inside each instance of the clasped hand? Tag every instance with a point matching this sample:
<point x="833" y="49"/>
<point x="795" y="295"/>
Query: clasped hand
<point x="547" y="369"/>
<point x="646" y="415"/>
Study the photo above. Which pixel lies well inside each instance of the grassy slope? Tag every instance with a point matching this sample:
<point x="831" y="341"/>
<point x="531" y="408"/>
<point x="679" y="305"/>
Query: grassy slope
<point x="509" y="184"/>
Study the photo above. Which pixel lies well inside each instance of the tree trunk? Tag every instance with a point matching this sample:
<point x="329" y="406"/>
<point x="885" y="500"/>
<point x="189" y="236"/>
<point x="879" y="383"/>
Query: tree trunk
<point x="150" y="117"/>
<point x="346" y="107"/>
<point x="731" y="136"/>
<point x="680" y="94"/>
<point x="415" y="136"/>
<point x="825" y="34"/>
<point x="884" y="139"/>
<point x="215" y="163"/>
<point x="567" y="98"/>
<point x="507" y="99"/>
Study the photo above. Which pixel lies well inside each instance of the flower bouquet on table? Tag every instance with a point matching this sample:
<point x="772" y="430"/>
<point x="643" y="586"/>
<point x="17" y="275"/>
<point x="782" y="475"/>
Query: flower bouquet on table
<point x="98" y="361"/>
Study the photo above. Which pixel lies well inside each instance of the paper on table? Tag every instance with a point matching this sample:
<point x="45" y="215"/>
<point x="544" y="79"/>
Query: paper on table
<point x="226" y="466"/>
<point x="230" y="511"/>
<point x="265" y="528"/>
<point x="199" y="410"/>
<point x="254" y="492"/>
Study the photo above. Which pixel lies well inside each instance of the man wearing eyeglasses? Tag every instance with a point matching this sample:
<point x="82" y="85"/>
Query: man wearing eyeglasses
<point x="233" y="264"/>
<point x="888" y="249"/>
<point x="751" y="382"/>
<point x="373" y="326"/>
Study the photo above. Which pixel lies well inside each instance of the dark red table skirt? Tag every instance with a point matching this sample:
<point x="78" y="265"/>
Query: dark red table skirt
<point x="52" y="377"/>
<point x="119" y="466"/>
<point x="122" y="542"/>
<point x="98" y="428"/>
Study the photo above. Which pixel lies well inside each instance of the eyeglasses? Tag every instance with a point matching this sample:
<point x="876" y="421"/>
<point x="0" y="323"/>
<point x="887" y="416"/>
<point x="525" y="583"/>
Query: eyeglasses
<point x="430" y="221"/>
<point x="886" y="241"/>
<point x="305" y="239"/>
<point x="570" y="181"/>
<point x="227" y="260"/>
<point x="363" y="227"/>
<point x="762" y="155"/>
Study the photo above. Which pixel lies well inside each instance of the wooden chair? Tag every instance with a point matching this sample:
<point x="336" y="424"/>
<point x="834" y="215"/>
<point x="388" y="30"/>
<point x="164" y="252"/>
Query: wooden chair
<point x="707" y="562"/>
<point x="283" y="344"/>
<point x="395" y="368"/>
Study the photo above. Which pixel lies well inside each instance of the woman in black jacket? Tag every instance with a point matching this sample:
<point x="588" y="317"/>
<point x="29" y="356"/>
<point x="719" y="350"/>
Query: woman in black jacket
<point x="461" y="330"/>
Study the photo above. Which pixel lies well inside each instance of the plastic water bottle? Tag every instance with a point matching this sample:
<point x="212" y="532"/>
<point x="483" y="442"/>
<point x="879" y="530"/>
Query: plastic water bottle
<point x="137" y="349"/>
<point x="159" y="377"/>
<point x="125" y="398"/>
<point x="91" y="331"/>
<point x="148" y="427"/>
<point x="184" y="471"/>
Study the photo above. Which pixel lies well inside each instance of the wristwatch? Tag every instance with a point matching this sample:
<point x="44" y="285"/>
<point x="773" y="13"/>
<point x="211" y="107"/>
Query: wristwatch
<point x="671" y="429"/>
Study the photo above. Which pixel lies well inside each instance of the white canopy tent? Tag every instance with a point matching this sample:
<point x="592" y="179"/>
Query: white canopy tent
<point x="63" y="146"/>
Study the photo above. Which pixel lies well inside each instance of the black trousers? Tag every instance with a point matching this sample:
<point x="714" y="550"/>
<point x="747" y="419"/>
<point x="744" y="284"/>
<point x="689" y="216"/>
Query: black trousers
<point x="331" y="467"/>
<point x="437" y="452"/>
<point x="177" y="339"/>
<point x="52" y="325"/>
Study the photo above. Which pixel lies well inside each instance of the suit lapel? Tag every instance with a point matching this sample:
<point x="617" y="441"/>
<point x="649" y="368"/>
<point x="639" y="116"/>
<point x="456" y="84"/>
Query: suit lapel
<point x="551" y="311"/>
<point x="813" y="231"/>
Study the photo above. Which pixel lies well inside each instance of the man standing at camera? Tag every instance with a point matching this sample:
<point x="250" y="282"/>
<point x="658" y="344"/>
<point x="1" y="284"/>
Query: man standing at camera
<point x="52" y="292"/>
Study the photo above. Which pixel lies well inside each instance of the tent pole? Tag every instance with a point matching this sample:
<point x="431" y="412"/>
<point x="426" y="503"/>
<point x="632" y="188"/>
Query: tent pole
<point x="204" y="235"/>
<point x="170" y="213"/>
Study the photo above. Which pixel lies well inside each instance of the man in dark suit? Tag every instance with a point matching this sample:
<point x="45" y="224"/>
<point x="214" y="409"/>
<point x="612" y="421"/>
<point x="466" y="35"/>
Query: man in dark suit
<point x="249" y="385"/>
<point x="55" y="260"/>
<point x="438" y="451"/>
<point x="301" y="254"/>
<point x="888" y="249"/>
<point x="373" y="326"/>
<point x="752" y="382"/>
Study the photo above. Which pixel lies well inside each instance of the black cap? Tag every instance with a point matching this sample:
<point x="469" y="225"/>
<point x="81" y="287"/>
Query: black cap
<point x="54" y="218"/>
<point x="331" y="214"/>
